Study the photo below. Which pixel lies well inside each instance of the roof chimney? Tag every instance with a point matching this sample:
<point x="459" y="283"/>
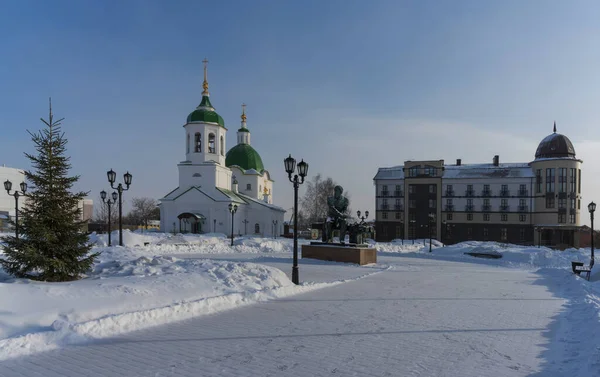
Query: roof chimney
<point x="458" y="161"/>
<point x="496" y="160"/>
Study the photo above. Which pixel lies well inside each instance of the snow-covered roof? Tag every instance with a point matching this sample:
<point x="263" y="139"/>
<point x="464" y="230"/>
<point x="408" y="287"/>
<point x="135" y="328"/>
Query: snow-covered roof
<point x="507" y="170"/>
<point x="261" y="202"/>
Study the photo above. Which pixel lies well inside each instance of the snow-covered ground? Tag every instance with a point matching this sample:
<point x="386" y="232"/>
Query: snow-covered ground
<point x="160" y="278"/>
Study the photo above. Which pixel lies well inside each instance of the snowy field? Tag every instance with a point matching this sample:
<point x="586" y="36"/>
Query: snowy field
<point x="160" y="278"/>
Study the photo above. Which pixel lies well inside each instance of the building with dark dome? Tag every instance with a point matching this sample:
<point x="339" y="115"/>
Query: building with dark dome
<point x="211" y="180"/>
<point x="531" y="203"/>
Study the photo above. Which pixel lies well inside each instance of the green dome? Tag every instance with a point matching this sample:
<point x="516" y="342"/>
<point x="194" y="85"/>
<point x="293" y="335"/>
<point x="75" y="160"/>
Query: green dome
<point x="244" y="156"/>
<point x="205" y="112"/>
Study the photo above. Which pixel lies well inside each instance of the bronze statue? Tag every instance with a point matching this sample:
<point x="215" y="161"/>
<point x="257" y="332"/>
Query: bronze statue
<point x="336" y="215"/>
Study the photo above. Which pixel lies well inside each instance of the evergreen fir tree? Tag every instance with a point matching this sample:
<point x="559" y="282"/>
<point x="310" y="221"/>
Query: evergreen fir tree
<point x="52" y="245"/>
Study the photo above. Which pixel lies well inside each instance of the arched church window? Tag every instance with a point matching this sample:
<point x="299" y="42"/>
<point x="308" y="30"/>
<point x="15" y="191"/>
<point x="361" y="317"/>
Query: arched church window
<point x="248" y="187"/>
<point x="211" y="143"/>
<point x="187" y="144"/>
<point x="198" y="142"/>
<point x="256" y="228"/>
<point x="222" y="146"/>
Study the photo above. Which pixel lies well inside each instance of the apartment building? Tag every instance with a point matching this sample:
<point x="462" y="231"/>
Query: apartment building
<point x="529" y="203"/>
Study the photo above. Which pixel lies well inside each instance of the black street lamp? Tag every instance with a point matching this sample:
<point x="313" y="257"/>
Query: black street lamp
<point x="274" y="228"/>
<point x="592" y="209"/>
<point x="112" y="176"/>
<point x="290" y="167"/>
<point x="232" y="210"/>
<point x="109" y="203"/>
<point x="245" y="222"/>
<point x="413" y="225"/>
<point x="431" y="220"/>
<point x="362" y="219"/>
<point x="16" y="194"/>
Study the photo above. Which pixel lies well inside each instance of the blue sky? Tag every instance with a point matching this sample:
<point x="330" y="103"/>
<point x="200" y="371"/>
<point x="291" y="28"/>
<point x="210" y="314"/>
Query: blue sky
<point x="347" y="85"/>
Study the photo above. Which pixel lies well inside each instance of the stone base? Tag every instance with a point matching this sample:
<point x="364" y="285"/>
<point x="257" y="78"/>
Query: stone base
<point x="335" y="253"/>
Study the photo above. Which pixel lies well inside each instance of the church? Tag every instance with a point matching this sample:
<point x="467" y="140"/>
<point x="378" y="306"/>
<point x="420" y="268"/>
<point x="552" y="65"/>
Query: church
<point x="211" y="181"/>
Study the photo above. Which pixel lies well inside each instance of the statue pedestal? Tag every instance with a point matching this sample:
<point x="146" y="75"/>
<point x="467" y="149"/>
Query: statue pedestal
<point x="337" y="252"/>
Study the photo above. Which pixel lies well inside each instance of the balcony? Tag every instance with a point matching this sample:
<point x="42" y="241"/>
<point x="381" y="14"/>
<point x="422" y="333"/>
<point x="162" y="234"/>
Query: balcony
<point x="523" y="193"/>
<point x="470" y="193"/>
<point x="486" y="193"/>
<point x="504" y="208"/>
<point x="504" y="193"/>
<point x="469" y="208"/>
<point x="486" y="208"/>
<point x="449" y="208"/>
<point x="399" y="194"/>
<point x="523" y="209"/>
<point x="449" y="192"/>
<point x="385" y="193"/>
<point x="385" y="207"/>
<point x="399" y="207"/>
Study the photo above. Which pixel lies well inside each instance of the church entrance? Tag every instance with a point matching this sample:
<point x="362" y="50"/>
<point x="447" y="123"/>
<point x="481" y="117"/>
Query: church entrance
<point x="190" y="222"/>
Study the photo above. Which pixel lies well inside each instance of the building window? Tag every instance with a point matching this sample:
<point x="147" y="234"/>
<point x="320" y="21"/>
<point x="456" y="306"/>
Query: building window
<point x="503" y="234"/>
<point x="486" y="190"/>
<point x="504" y="217"/>
<point x="449" y="190"/>
<point x="398" y="203"/>
<point x="448" y="216"/>
<point x="504" y="204"/>
<point x="432" y="189"/>
<point x="572" y="204"/>
<point x="222" y="146"/>
<point x="550" y="180"/>
<point x="486" y="217"/>
<point x="469" y="217"/>
<point x="384" y="215"/>
<point x="432" y="203"/>
<point x="397" y="215"/>
<point x="550" y="202"/>
<point x="411" y="189"/>
<point x="412" y="216"/>
<point x="384" y="204"/>
<point x="412" y="203"/>
<point x="538" y="181"/>
<point x="197" y="143"/>
<point x="522" y="218"/>
<point x="470" y="233"/>
<point x="579" y="203"/>
<point x="504" y="190"/>
<point x="562" y="203"/>
<point x="413" y="171"/>
<point x="573" y="181"/>
<point x="522" y="190"/>
<point x="256" y="228"/>
<point x="398" y="191"/>
<point x="187" y="144"/>
<point x="470" y="191"/>
<point x="562" y="218"/>
<point x="562" y="179"/>
<point x="522" y="235"/>
<point x="384" y="231"/>
<point x="398" y="231"/>
<point x="572" y="218"/>
<point x="486" y="233"/>
<point x="430" y="171"/>
<point x="384" y="190"/>
<point x="211" y="143"/>
<point x="579" y="183"/>
<point x="248" y="187"/>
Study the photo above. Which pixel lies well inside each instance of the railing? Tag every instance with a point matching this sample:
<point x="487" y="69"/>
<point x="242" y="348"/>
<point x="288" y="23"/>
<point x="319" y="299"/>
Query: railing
<point x="504" y="208"/>
<point x="485" y="208"/>
<point x="449" y="192"/>
<point x="486" y="193"/>
<point x="470" y="193"/>
<point x="398" y="207"/>
<point x="385" y="193"/>
<point x="398" y="193"/>
<point x="385" y="207"/>
<point x="469" y="208"/>
<point x="523" y="193"/>
<point x="504" y="193"/>
<point x="522" y="208"/>
<point x="449" y="208"/>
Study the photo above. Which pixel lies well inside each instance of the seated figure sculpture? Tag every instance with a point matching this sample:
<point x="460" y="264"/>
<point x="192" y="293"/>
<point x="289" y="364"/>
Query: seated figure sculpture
<point x="336" y="215"/>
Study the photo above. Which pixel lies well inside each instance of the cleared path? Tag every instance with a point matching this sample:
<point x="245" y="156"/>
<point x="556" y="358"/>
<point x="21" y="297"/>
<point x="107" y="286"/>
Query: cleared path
<point x="422" y="318"/>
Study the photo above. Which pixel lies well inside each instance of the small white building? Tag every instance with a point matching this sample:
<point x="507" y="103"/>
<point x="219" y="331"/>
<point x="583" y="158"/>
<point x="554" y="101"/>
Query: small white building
<point x="210" y="180"/>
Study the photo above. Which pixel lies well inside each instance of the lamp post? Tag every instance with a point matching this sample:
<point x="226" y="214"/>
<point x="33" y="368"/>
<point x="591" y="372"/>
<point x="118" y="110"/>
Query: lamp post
<point x="362" y="219"/>
<point x="430" y="223"/>
<point x="592" y="209"/>
<point x="112" y="176"/>
<point x="297" y="180"/>
<point x="232" y="210"/>
<point x="274" y="228"/>
<point x="16" y="194"/>
<point x="245" y="222"/>
<point x="109" y="203"/>
<point x="412" y="225"/>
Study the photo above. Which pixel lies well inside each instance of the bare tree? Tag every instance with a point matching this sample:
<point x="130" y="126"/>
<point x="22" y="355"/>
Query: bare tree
<point x="143" y="210"/>
<point x="314" y="201"/>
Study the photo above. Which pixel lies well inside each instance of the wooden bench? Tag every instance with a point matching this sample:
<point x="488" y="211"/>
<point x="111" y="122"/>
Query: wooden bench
<point x="579" y="267"/>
